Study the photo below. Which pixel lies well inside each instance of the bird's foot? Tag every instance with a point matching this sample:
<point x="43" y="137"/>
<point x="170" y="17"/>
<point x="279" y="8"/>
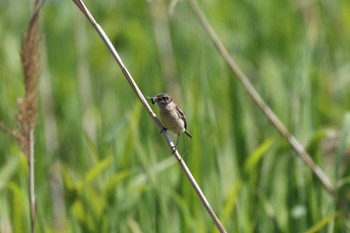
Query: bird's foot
<point x="163" y="130"/>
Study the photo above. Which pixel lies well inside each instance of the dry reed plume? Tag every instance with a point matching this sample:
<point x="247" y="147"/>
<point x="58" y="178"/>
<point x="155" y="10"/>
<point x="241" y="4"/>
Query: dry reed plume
<point x="27" y="106"/>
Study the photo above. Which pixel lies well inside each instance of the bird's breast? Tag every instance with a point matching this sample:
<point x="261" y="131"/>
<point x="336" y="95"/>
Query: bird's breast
<point x="171" y="120"/>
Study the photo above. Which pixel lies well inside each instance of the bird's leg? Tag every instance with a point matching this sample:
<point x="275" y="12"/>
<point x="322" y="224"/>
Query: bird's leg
<point x="177" y="143"/>
<point x="177" y="140"/>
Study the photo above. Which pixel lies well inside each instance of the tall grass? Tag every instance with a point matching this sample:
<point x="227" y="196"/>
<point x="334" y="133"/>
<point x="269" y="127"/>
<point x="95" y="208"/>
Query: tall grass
<point x="111" y="171"/>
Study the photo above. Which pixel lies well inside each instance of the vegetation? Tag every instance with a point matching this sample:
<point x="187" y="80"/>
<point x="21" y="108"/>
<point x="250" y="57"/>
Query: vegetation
<point x="101" y="164"/>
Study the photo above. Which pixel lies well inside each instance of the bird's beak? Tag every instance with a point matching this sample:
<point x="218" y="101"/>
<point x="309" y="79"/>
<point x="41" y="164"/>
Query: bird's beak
<point x="153" y="99"/>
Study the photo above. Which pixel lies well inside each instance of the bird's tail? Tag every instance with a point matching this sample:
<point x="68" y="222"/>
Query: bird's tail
<point x="188" y="134"/>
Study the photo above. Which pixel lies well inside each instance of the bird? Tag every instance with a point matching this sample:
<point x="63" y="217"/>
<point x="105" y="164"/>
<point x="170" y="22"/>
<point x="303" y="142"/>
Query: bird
<point x="171" y="116"/>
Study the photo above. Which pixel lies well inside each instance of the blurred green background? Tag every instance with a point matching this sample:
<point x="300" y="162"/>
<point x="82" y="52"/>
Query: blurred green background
<point x="101" y="164"/>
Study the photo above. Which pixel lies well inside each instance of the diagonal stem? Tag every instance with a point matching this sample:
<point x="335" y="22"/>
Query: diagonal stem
<point x="296" y="145"/>
<point x="139" y="94"/>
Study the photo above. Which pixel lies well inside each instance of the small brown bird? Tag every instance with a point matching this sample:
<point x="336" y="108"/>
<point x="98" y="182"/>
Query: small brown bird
<point x="171" y="116"/>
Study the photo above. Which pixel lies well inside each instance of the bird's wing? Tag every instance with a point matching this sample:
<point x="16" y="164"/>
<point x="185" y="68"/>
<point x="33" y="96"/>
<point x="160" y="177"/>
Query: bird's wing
<point x="181" y="115"/>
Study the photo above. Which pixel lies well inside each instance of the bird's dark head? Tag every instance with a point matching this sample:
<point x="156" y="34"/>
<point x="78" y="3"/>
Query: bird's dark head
<point x="162" y="99"/>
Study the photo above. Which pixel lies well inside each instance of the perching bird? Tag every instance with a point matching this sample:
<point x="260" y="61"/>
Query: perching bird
<point x="171" y="116"/>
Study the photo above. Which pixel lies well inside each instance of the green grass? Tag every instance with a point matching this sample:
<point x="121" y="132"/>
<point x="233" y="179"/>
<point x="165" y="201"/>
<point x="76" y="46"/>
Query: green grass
<point x="101" y="164"/>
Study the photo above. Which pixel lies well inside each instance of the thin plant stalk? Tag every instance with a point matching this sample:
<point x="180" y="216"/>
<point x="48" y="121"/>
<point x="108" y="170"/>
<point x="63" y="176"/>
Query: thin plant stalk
<point x="27" y="113"/>
<point x="143" y="100"/>
<point x="32" y="180"/>
<point x="296" y="145"/>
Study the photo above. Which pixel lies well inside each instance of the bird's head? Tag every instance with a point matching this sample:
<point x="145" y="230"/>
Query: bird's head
<point x="162" y="99"/>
